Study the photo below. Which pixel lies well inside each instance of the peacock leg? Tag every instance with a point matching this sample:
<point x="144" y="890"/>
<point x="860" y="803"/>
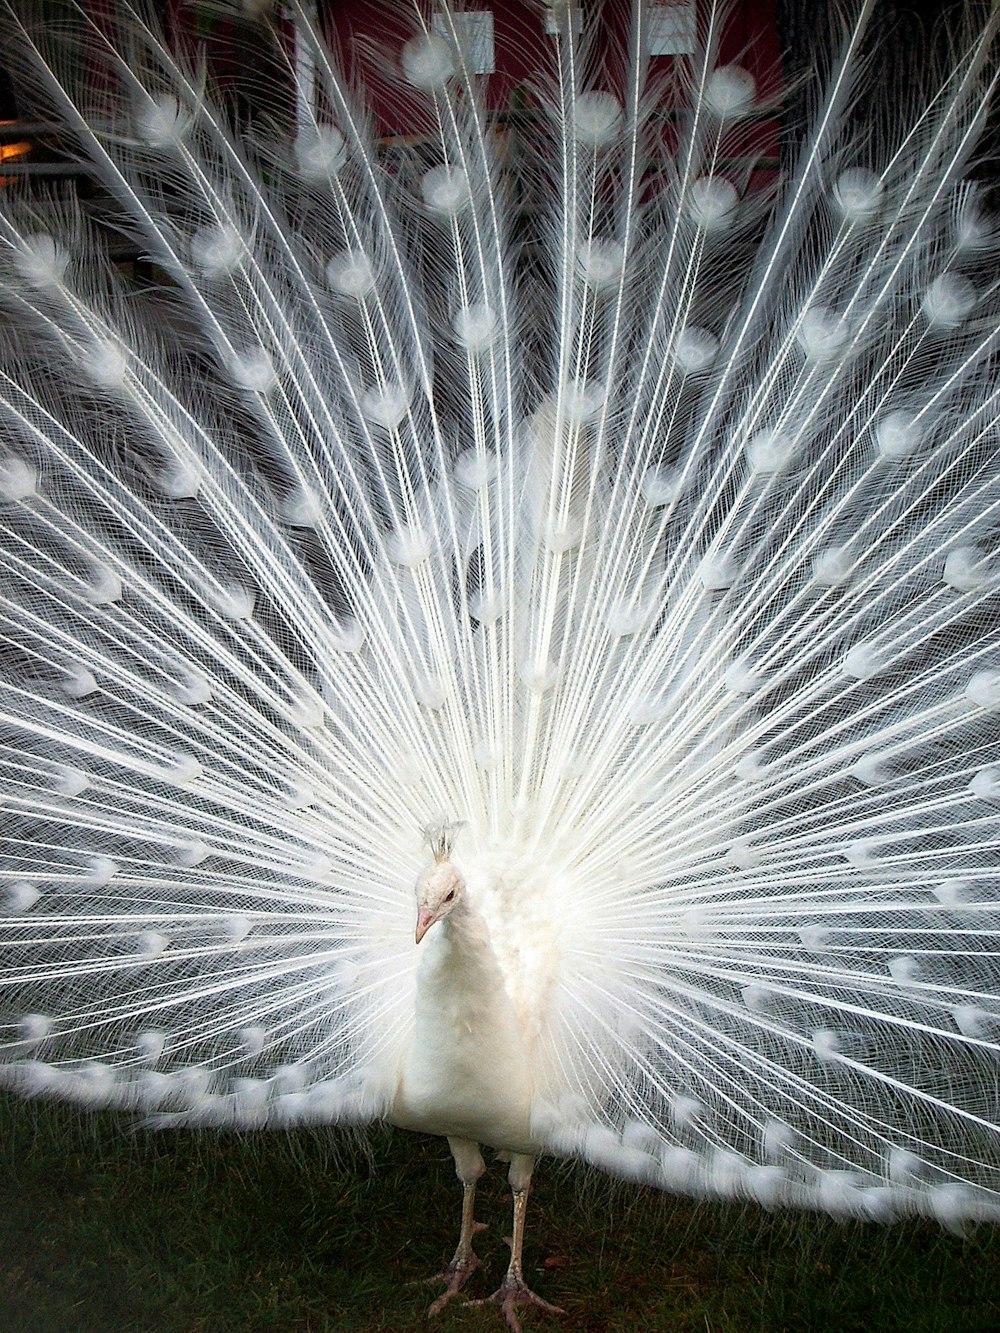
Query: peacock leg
<point x="513" y="1291"/>
<point x="470" y="1166"/>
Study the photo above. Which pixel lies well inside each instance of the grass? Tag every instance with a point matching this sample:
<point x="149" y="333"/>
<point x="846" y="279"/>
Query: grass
<point x="104" y="1229"/>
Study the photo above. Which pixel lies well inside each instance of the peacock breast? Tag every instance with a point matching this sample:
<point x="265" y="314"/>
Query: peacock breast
<point x="466" y="1072"/>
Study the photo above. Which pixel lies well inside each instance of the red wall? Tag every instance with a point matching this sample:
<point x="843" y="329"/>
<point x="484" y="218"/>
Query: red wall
<point x="370" y="33"/>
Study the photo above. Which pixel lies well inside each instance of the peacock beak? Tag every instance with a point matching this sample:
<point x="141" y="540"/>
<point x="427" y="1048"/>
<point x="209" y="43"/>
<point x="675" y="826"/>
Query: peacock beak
<point x="425" y="919"/>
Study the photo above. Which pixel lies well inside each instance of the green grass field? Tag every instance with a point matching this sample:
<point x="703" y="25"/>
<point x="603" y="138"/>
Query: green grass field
<point x="106" y="1229"/>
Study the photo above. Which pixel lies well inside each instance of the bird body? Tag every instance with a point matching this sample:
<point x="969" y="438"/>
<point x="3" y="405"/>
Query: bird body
<point x="468" y="1069"/>
<point x="501" y="634"/>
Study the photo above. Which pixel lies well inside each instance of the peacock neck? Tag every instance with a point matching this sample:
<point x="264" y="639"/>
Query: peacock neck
<point x="460" y="950"/>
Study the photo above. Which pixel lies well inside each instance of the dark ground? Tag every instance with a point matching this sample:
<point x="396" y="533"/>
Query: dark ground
<point x="107" y="1229"/>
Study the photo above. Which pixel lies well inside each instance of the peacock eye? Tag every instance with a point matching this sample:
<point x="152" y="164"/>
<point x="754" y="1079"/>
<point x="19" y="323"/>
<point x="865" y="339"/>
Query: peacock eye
<point x="448" y="897"/>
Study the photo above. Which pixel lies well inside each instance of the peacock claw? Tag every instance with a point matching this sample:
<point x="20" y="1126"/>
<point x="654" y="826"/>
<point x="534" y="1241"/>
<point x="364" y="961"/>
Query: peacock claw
<point x="458" y="1272"/>
<point x="511" y="1293"/>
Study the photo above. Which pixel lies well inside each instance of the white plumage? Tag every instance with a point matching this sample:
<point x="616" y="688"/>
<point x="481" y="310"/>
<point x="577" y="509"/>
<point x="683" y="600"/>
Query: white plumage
<point x="625" y="567"/>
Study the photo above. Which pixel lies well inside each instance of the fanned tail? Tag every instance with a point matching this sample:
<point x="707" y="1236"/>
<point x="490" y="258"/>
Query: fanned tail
<point x="651" y="536"/>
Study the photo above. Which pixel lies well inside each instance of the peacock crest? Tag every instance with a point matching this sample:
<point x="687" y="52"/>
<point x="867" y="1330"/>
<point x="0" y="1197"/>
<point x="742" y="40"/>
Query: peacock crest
<point x="440" y="838"/>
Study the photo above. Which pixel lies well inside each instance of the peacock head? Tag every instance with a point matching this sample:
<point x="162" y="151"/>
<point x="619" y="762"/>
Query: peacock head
<point x="440" y="887"/>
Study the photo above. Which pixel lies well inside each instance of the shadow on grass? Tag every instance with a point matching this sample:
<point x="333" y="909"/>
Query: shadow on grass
<point x="106" y="1229"/>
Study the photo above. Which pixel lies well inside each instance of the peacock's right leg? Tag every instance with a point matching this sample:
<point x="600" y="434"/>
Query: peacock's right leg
<point x="470" y="1166"/>
<point x="513" y="1291"/>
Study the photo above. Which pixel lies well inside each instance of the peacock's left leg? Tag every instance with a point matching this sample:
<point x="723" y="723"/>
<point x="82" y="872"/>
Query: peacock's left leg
<point x="513" y="1291"/>
<point x="470" y="1166"/>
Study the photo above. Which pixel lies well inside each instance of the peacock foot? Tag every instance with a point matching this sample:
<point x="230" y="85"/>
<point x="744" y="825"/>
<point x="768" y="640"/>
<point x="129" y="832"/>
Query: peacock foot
<point x="458" y="1272"/>
<point x="511" y="1293"/>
